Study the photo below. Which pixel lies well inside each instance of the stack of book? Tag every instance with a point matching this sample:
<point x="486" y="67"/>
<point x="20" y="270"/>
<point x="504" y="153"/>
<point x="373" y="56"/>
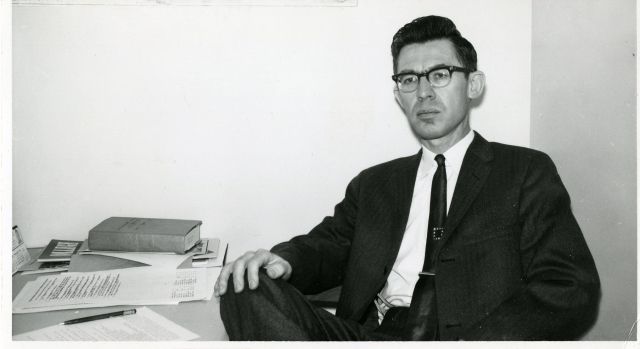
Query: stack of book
<point x="154" y="235"/>
<point x="54" y="257"/>
<point x="139" y="241"/>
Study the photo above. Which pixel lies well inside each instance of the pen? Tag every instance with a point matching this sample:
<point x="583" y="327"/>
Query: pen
<point x="98" y="317"/>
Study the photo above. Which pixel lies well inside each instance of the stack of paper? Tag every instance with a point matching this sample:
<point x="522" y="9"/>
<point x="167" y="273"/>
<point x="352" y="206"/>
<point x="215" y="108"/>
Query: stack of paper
<point x="139" y="286"/>
<point x="102" y="278"/>
<point x="211" y="255"/>
<point x="206" y="254"/>
<point x="161" y="260"/>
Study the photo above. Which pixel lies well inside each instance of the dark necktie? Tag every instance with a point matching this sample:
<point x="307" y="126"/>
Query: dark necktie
<point x="422" y="321"/>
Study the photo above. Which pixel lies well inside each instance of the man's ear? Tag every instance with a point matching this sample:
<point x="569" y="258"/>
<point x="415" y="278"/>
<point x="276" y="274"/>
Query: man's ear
<point x="396" y="93"/>
<point x="475" y="85"/>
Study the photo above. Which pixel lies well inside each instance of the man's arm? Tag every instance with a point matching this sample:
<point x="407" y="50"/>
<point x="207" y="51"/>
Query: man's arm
<point x="561" y="287"/>
<point x="319" y="258"/>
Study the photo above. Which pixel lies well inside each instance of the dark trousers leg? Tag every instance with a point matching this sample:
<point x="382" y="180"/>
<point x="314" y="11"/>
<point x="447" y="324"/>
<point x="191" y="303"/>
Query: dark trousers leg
<point x="276" y="311"/>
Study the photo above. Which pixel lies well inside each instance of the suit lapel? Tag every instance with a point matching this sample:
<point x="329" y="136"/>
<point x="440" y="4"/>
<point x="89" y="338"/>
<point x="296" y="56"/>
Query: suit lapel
<point x="475" y="169"/>
<point x="401" y="185"/>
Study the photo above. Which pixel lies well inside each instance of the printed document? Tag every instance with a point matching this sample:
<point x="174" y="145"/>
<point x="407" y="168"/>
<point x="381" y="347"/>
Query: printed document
<point x="145" y="325"/>
<point x="140" y="286"/>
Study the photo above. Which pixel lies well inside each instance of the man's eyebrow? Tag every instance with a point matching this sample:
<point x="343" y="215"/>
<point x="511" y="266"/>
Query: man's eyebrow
<point x="407" y="71"/>
<point x="440" y="65"/>
<point x="411" y="71"/>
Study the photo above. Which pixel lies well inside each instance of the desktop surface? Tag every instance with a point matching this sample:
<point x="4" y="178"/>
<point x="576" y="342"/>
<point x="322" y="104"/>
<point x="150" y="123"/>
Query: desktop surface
<point x="199" y="317"/>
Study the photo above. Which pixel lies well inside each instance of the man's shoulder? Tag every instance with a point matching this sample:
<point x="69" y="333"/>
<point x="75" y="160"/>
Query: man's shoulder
<point x="510" y="152"/>
<point x="394" y="165"/>
<point x="511" y="160"/>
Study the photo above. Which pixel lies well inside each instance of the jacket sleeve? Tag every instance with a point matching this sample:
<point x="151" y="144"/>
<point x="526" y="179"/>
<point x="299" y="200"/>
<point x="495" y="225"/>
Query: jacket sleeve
<point x="560" y="293"/>
<point x="318" y="259"/>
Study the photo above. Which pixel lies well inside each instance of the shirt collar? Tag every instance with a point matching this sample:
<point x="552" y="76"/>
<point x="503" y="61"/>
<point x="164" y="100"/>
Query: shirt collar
<point x="453" y="156"/>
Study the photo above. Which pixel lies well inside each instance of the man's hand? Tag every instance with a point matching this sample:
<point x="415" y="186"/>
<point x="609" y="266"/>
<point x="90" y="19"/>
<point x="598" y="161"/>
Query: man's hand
<point x="252" y="261"/>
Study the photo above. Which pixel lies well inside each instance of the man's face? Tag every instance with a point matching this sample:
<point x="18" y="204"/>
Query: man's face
<point x="438" y="115"/>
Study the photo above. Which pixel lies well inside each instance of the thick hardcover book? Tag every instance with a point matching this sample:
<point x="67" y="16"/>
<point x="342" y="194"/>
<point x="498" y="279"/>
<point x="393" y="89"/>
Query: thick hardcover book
<point x="144" y="235"/>
<point x="59" y="251"/>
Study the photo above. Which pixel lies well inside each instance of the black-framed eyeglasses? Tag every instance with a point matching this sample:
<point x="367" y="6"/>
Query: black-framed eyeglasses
<point x="437" y="77"/>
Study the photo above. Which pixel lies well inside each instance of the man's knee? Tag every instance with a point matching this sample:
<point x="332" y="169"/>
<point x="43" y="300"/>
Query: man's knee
<point x="266" y="286"/>
<point x="245" y="313"/>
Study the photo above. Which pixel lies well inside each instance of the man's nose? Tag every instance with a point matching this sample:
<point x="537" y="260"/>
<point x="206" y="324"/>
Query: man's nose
<point x="425" y="90"/>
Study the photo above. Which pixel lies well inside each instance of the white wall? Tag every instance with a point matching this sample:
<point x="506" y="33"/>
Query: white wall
<point x="583" y="114"/>
<point x="252" y="119"/>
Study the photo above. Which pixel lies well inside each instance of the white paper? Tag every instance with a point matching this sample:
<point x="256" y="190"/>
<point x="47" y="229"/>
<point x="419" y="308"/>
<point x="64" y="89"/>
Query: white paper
<point x="145" y="325"/>
<point x="20" y="253"/>
<point x="171" y="261"/>
<point x="145" y="285"/>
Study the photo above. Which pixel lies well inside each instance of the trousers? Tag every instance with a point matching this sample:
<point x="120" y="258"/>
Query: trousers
<point x="277" y="311"/>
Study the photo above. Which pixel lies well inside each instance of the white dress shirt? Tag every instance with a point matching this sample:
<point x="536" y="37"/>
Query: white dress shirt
<point x="408" y="264"/>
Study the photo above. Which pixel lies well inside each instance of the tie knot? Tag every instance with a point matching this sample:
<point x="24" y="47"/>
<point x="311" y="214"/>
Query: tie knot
<point x="440" y="160"/>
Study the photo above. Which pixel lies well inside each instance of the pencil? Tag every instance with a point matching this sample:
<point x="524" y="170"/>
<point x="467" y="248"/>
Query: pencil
<point x="98" y="317"/>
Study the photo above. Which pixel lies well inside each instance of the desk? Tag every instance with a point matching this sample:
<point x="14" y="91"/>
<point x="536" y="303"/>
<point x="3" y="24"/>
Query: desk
<point x="199" y="317"/>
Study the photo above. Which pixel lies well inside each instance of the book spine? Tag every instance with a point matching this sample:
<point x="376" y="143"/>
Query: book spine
<point x="130" y="242"/>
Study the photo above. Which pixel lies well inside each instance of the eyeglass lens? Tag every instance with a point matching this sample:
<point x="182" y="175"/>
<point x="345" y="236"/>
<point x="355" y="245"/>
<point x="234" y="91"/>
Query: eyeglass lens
<point x="437" y="78"/>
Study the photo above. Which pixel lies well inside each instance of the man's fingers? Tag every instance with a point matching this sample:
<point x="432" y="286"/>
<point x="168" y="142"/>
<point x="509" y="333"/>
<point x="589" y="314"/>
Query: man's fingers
<point x="259" y="259"/>
<point x="238" y="271"/>
<point x="221" y="283"/>
<point x="278" y="267"/>
<point x="275" y="266"/>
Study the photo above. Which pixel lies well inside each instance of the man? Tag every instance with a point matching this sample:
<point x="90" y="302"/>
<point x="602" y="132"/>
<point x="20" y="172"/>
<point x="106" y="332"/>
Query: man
<point x="466" y="240"/>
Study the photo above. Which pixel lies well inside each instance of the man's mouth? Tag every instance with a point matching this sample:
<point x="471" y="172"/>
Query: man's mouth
<point x="427" y="112"/>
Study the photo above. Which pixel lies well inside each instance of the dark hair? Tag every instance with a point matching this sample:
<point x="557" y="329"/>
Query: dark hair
<point x="431" y="28"/>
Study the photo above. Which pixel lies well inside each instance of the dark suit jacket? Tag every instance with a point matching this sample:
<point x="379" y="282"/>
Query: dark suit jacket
<point x="512" y="263"/>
